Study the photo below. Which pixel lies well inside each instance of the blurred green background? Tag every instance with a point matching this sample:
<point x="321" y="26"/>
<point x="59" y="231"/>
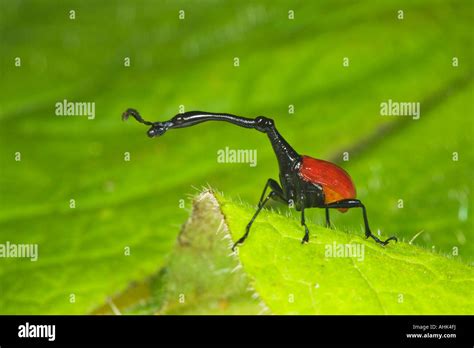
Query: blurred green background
<point x="190" y="62"/>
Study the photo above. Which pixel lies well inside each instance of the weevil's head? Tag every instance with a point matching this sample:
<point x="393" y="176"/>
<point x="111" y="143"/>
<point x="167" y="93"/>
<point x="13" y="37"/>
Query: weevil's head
<point x="264" y="124"/>
<point x="158" y="128"/>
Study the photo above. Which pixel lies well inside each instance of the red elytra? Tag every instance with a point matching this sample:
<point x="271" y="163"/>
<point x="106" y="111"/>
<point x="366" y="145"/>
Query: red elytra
<point x="336" y="183"/>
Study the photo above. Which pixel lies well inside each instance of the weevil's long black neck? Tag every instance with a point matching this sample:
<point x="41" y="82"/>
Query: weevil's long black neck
<point x="191" y="118"/>
<point x="286" y="155"/>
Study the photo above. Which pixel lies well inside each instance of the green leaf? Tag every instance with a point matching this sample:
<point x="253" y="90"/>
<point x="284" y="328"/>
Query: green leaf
<point x="272" y="272"/>
<point x="292" y="278"/>
<point x="84" y="262"/>
<point x="189" y="63"/>
<point x="202" y="275"/>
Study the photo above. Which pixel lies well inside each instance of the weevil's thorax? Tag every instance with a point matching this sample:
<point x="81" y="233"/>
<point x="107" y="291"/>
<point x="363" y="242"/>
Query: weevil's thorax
<point x="288" y="184"/>
<point x="300" y="192"/>
<point x="311" y="195"/>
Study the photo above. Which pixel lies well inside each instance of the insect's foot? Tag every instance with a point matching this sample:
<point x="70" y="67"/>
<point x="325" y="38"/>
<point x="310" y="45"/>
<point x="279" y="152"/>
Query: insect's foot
<point x="378" y="241"/>
<point x="240" y="241"/>
<point x="305" y="239"/>
<point x="385" y="242"/>
<point x="391" y="238"/>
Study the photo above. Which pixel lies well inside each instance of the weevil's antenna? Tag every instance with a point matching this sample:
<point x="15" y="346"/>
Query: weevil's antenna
<point x="157" y="128"/>
<point x="134" y="113"/>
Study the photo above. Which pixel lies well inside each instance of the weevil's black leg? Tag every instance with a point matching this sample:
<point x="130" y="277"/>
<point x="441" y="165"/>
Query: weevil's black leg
<point x="355" y="203"/>
<point x="247" y="229"/>
<point x="274" y="186"/>
<point x="328" y="221"/>
<point x="276" y="193"/>
<point x="306" y="230"/>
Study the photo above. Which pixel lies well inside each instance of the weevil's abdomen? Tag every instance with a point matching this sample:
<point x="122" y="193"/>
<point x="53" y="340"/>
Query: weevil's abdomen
<point x="336" y="182"/>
